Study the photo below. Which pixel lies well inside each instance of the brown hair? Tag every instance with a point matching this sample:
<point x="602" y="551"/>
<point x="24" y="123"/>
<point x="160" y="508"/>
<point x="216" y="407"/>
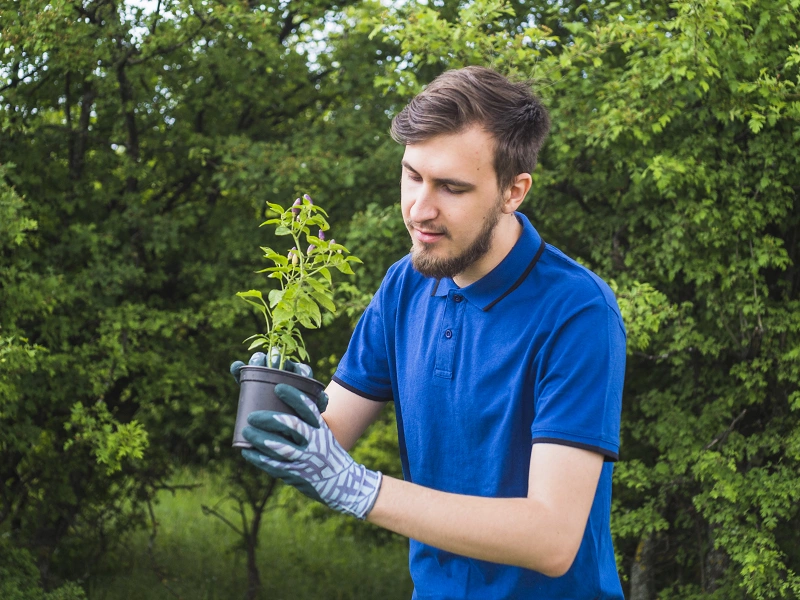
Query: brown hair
<point x="458" y="99"/>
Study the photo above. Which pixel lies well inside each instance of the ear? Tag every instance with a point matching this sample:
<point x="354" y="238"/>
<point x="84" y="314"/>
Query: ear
<point x="516" y="192"/>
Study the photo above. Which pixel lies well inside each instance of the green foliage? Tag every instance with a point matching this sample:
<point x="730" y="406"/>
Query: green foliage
<point x="16" y="354"/>
<point x="672" y="169"/>
<point x="19" y="578"/>
<point x="110" y="442"/>
<point x="146" y="142"/>
<point x="304" y="276"/>
<point x="13" y="225"/>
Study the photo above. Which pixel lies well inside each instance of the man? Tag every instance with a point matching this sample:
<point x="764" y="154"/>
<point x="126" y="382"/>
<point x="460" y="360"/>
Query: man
<point x="505" y="360"/>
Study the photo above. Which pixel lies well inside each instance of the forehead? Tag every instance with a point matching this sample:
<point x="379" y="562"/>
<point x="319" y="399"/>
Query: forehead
<point x="467" y="155"/>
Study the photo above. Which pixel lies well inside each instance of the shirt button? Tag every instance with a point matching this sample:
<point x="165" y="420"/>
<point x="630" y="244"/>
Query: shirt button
<point x="458" y="298"/>
<point x="448" y="334"/>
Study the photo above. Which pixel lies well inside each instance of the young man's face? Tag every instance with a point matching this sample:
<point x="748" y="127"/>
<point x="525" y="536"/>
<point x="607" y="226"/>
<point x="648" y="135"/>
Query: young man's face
<point x="450" y="201"/>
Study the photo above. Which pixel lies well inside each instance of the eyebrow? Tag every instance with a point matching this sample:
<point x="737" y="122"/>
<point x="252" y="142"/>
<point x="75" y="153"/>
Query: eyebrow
<point x="443" y="180"/>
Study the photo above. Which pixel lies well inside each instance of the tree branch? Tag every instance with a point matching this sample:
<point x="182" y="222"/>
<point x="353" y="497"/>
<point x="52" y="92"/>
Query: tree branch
<point x="159" y="51"/>
<point x="175" y="191"/>
<point x="663" y="356"/>
<point x="288" y="26"/>
<point x="68" y="115"/>
<point x="16" y="79"/>
<point x="126" y="101"/>
<point x="80" y="142"/>
<point x="721" y="437"/>
<point x="573" y="192"/>
<point x="156" y="16"/>
<point x="207" y="510"/>
<point x="151" y="553"/>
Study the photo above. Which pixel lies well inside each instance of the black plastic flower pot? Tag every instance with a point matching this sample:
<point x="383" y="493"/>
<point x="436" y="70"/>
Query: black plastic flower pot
<point x="257" y="392"/>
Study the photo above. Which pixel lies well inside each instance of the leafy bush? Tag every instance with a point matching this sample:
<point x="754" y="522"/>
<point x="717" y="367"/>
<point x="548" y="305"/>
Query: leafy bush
<point x="672" y="170"/>
<point x="19" y="578"/>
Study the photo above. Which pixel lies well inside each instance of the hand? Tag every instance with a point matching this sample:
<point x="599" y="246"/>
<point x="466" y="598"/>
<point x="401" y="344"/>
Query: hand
<point x="260" y="359"/>
<point x="303" y="452"/>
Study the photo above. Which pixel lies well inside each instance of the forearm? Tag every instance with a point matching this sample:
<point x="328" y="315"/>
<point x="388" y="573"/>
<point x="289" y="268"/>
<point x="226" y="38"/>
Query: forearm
<point x="517" y="531"/>
<point x="348" y="415"/>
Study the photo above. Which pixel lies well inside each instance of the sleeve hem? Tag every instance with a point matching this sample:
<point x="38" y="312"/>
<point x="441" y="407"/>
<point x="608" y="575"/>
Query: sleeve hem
<point x="608" y="455"/>
<point x="362" y="393"/>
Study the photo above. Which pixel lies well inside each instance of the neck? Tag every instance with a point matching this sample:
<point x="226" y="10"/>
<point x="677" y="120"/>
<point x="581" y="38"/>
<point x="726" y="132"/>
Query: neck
<point x="506" y="234"/>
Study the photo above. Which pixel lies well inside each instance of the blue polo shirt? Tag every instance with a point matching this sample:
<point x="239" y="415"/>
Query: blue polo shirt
<point x="532" y="352"/>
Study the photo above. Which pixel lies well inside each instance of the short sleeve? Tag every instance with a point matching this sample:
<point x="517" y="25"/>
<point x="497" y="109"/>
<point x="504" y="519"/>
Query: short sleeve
<point x="364" y="368"/>
<point x="579" y="379"/>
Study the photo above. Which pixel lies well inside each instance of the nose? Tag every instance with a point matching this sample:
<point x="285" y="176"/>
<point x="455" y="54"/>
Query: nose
<point x="423" y="204"/>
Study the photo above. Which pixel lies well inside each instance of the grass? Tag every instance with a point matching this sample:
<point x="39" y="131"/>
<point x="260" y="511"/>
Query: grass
<point x="197" y="557"/>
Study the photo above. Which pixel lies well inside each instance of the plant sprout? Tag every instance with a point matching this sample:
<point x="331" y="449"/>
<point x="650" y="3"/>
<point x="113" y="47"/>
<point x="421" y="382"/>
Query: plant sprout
<point x="305" y="279"/>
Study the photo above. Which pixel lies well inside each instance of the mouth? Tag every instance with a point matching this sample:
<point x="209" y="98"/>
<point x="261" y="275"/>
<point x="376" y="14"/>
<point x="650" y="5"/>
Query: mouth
<point x="427" y="237"/>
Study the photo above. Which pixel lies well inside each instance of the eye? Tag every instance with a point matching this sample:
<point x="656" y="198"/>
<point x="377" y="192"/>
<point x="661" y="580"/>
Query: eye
<point x="452" y="191"/>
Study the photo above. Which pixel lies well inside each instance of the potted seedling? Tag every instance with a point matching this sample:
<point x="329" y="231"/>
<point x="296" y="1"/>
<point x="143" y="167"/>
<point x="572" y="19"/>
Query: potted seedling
<point x="304" y="290"/>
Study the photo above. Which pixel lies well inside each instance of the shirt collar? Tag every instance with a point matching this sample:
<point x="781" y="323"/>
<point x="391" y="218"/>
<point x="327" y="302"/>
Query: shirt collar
<point x="506" y="276"/>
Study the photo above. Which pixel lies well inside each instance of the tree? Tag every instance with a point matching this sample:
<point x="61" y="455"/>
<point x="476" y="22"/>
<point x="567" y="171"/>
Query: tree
<point x="19" y="578"/>
<point x="146" y="143"/>
<point x="671" y="170"/>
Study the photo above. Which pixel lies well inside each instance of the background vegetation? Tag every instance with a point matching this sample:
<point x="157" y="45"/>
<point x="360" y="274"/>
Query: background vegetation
<point x="138" y="145"/>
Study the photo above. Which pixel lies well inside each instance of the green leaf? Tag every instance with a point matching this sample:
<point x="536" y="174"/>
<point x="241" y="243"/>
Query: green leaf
<point x="282" y="314"/>
<point x="318" y="285"/>
<point x="324" y="300"/>
<point x="344" y="268"/>
<point x="308" y="312"/>
<point x="259" y="343"/>
<point x="275" y="296"/>
<point x="251" y="294"/>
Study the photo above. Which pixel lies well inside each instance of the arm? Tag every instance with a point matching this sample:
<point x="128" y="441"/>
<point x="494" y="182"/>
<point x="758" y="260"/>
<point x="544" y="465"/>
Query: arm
<point x="348" y="415"/>
<point x="541" y="532"/>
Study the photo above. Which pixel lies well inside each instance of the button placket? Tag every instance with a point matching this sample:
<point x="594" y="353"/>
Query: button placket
<point x="448" y="336"/>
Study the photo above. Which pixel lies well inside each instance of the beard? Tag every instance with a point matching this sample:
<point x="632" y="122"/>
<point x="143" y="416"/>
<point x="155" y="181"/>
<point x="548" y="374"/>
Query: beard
<point x="428" y="265"/>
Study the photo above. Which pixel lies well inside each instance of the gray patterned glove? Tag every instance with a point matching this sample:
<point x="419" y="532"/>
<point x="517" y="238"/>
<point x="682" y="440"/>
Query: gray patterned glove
<point x="304" y="453"/>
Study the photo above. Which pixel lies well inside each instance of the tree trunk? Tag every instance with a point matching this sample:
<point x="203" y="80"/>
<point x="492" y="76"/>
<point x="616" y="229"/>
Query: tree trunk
<point x="715" y="564"/>
<point x="253" y="576"/>
<point x="642" y="587"/>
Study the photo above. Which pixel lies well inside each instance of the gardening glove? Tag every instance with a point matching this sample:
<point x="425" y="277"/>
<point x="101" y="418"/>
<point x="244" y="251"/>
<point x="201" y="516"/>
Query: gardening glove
<point x="260" y="359"/>
<point x="303" y="452"/>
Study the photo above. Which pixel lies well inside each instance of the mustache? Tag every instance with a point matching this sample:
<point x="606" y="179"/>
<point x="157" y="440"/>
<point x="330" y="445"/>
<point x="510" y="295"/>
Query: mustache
<point x="428" y="227"/>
